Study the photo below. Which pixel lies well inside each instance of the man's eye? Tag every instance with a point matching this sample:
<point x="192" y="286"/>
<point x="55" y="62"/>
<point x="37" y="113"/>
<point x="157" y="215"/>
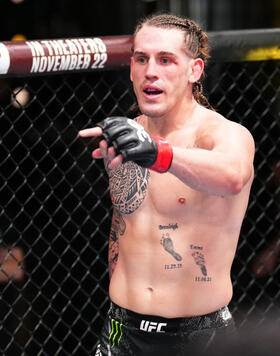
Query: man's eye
<point x="165" y="60"/>
<point x="141" y="60"/>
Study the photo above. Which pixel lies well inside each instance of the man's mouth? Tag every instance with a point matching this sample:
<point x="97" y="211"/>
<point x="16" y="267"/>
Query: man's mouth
<point x="152" y="91"/>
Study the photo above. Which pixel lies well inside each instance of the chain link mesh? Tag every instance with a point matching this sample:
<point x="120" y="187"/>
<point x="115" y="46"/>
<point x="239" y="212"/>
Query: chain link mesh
<point x="55" y="206"/>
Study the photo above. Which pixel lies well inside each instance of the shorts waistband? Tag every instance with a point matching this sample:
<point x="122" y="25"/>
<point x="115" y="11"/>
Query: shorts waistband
<point x="129" y="318"/>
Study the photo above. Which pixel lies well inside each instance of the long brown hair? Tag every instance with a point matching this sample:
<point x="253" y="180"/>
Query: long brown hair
<point x="195" y="39"/>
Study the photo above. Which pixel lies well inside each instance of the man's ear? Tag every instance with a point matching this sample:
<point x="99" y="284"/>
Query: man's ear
<point x="197" y="67"/>
<point x="131" y="65"/>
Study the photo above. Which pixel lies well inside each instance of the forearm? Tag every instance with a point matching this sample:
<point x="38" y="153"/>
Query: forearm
<point x="207" y="171"/>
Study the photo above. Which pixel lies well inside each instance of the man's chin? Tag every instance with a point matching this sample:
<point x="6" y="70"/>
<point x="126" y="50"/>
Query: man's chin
<point x="152" y="112"/>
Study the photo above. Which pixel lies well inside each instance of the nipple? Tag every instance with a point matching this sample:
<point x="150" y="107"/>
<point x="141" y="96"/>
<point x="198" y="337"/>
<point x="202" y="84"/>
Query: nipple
<point x="182" y="200"/>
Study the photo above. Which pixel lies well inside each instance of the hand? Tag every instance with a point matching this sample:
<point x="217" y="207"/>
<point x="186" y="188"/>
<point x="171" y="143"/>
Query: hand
<point x="130" y="140"/>
<point x="103" y="152"/>
<point x="127" y="138"/>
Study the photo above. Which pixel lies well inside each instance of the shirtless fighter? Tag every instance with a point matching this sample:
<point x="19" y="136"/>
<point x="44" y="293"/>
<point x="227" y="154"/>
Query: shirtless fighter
<point x="180" y="176"/>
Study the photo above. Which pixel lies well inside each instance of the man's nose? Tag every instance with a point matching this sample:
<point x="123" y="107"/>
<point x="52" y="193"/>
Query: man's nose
<point x="151" y="69"/>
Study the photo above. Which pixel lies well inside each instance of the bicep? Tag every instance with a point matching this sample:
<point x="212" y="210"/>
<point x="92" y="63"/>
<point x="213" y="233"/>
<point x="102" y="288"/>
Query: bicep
<point x="237" y="144"/>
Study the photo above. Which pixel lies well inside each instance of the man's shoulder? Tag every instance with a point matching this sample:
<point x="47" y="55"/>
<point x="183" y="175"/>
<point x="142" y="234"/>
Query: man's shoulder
<point x="216" y="121"/>
<point x="217" y="127"/>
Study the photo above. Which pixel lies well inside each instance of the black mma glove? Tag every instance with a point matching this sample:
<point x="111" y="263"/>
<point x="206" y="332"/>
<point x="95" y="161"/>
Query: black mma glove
<point x="132" y="141"/>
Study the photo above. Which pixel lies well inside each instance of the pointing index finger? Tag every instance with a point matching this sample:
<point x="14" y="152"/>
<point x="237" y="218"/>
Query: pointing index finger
<point x="95" y="131"/>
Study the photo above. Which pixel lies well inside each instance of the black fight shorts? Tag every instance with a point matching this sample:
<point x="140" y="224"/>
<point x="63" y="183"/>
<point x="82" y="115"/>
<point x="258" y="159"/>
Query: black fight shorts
<point x="128" y="333"/>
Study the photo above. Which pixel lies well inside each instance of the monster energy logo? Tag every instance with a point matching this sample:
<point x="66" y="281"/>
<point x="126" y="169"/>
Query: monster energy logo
<point x="116" y="332"/>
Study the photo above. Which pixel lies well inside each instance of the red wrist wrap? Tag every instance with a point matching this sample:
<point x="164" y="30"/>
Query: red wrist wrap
<point x="164" y="157"/>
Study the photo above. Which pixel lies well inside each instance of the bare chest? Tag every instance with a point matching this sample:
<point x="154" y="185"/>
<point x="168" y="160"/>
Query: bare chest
<point x="133" y="188"/>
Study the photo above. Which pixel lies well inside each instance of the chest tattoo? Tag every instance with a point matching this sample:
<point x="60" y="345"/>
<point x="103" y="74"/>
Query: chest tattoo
<point x="128" y="186"/>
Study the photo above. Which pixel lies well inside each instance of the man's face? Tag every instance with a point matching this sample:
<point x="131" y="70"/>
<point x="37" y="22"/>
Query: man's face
<point x="160" y="70"/>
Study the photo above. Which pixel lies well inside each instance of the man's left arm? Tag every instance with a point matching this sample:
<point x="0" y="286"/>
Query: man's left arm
<point x="223" y="170"/>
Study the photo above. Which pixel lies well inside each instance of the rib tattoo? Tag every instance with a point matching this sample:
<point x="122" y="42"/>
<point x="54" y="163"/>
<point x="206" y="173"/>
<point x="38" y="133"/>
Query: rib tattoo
<point x="200" y="261"/>
<point x="118" y="227"/>
<point x="167" y="244"/>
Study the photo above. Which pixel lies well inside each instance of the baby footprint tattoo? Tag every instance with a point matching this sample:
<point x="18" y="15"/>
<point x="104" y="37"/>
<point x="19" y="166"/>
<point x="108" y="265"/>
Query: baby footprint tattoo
<point x="167" y="244"/>
<point x="200" y="261"/>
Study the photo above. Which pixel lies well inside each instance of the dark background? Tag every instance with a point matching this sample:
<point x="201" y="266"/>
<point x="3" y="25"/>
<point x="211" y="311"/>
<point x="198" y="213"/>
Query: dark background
<point x="70" y="18"/>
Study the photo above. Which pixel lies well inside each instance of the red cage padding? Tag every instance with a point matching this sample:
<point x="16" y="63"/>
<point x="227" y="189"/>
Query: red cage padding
<point x="62" y="55"/>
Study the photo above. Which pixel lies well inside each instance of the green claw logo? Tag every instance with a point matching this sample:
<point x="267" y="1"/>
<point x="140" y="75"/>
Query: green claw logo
<point x="116" y="332"/>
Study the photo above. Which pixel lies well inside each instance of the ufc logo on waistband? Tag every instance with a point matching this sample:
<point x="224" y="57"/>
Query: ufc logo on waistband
<point x="152" y="326"/>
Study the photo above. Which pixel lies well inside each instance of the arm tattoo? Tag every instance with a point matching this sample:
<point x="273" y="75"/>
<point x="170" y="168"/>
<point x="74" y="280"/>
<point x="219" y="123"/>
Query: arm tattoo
<point x="128" y="186"/>
<point x="118" y="227"/>
<point x="167" y="244"/>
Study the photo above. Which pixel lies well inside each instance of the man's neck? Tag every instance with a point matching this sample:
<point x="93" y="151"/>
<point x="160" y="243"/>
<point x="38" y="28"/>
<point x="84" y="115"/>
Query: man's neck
<point x="164" y="125"/>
